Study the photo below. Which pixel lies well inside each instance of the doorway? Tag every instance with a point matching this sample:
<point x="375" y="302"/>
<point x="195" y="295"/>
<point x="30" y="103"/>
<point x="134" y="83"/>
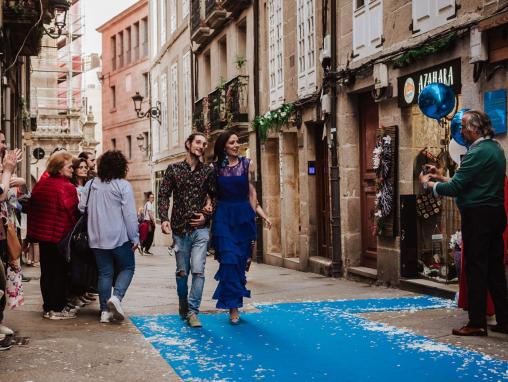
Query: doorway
<point x="369" y="122"/>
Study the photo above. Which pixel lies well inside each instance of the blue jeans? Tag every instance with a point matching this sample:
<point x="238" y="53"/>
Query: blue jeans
<point x="119" y="261"/>
<point x="190" y="256"/>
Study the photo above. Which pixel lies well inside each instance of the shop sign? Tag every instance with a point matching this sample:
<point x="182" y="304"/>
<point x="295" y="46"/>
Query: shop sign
<point x="410" y="86"/>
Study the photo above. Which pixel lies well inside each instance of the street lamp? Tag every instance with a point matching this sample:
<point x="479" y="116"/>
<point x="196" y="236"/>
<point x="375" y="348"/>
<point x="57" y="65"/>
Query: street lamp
<point x="153" y="112"/>
<point x="58" y="9"/>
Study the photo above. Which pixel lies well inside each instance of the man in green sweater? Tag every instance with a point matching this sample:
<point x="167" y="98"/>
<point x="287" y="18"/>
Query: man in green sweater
<point x="478" y="187"/>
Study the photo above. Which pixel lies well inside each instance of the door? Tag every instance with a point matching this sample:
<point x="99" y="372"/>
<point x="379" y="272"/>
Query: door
<point x="369" y="121"/>
<point x="322" y="194"/>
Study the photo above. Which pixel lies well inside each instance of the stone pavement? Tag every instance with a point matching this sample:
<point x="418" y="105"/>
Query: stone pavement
<point x="85" y="350"/>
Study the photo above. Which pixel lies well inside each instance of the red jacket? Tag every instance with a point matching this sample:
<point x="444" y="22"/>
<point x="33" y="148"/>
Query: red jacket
<point x="52" y="210"/>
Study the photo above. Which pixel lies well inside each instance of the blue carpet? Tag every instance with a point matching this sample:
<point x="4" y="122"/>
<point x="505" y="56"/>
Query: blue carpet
<point x="314" y="341"/>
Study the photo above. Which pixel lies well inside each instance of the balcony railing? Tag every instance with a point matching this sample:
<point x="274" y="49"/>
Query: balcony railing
<point x="235" y="5"/>
<point x="198" y="118"/>
<point x="226" y="106"/>
<point x="215" y="15"/>
<point x="195" y="15"/>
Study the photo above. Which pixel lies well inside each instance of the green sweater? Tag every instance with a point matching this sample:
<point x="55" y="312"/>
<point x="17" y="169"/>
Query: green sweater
<point x="480" y="179"/>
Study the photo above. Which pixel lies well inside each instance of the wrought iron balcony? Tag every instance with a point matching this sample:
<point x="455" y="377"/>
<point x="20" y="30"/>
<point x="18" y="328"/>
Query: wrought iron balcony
<point x="19" y="18"/>
<point x="215" y="14"/>
<point x="217" y="109"/>
<point x="237" y="101"/>
<point x="199" y="30"/>
<point x="198" y="118"/>
<point x="235" y="5"/>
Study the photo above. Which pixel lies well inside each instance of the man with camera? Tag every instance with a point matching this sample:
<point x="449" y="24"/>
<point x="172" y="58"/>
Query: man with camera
<point x="192" y="184"/>
<point x="478" y="186"/>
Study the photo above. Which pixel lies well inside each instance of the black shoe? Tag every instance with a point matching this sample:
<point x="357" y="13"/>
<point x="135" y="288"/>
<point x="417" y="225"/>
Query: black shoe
<point x="499" y="328"/>
<point x="183" y="309"/>
<point x="5" y="343"/>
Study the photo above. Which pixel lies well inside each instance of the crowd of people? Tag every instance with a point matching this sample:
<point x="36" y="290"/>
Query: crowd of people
<point x="213" y="205"/>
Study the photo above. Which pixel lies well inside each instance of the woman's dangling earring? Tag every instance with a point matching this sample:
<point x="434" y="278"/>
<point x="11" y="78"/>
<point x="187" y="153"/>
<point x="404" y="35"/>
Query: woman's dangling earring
<point x="225" y="161"/>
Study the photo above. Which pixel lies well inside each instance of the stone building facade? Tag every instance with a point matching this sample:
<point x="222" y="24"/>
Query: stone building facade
<point x="379" y="82"/>
<point x="125" y="67"/>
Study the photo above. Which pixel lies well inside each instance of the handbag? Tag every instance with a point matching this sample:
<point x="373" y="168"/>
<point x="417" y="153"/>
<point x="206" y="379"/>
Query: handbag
<point x="13" y="244"/>
<point x="14" y="286"/>
<point x="76" y="241"/>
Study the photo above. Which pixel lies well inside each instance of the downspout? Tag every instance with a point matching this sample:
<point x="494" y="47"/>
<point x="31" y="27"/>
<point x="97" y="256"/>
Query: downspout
<point x="259" y="184"/>
<point x="334" y="168"/>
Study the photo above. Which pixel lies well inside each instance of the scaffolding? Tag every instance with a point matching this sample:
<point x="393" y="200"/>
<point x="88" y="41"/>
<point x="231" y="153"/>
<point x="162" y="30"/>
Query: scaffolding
<point x="57" y="73"/>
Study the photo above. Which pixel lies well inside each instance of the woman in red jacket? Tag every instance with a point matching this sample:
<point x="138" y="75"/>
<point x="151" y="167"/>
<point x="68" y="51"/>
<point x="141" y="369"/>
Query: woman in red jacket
<point x="52" y="213"/>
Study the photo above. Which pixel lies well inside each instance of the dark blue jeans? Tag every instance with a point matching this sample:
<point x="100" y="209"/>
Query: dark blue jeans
<point x="119" y="260"/>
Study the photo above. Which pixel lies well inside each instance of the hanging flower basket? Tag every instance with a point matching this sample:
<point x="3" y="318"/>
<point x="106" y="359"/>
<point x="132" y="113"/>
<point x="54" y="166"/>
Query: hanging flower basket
<point x="273" y="120"/>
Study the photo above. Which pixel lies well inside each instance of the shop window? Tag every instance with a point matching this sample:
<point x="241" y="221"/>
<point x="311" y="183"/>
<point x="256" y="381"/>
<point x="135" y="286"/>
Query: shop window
<point x="305" y="35"/>
<point x="367" y="28"/>
<point x="430" y="14"/>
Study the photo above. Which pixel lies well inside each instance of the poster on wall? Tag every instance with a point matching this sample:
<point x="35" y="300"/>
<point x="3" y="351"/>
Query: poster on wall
<point x="494" y="104"/>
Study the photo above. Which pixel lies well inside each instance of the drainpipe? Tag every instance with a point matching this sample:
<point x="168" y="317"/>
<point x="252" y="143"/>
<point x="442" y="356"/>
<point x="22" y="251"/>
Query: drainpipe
<point x="334" y="168"/>
<point x="259" y="187"/>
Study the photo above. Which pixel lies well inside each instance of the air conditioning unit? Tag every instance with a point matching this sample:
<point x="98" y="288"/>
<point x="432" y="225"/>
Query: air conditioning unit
<point x="380" y="73"/>
<point x="477" y="46"/>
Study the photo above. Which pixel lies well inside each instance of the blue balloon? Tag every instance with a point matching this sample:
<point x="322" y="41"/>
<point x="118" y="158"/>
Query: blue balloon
<point x="436" y="100"/>
<point x="456" y="127"/>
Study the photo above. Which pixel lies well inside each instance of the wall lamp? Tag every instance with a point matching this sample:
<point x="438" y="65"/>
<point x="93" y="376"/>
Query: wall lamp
<point x="58" y="10"/>
<point x="154" y="111"/>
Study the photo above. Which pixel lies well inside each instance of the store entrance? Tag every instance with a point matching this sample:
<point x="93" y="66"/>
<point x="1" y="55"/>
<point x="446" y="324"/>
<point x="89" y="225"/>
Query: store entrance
<point x="369" y="122"/>
<point x="322" y="194"/>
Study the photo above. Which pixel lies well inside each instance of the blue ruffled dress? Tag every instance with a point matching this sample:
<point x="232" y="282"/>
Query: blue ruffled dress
<point x="233" y="231"/>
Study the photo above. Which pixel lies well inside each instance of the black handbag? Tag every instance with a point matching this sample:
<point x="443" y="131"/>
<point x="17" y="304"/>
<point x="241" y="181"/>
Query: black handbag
<point x="76" y="241"/>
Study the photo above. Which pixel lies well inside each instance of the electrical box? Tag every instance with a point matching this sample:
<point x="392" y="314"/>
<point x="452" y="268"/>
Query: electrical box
<point x="477" y="46"/>
<point x="380" y="73"/>
<point x="326" y="103"/>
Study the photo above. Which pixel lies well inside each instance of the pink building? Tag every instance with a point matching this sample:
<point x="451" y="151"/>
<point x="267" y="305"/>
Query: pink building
<point x="125" y="66"/>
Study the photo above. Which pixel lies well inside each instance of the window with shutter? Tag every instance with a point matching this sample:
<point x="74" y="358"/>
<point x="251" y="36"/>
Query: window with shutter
<point x="162" y="23"/>
<point x="153" y="21"/>
<point x="305" y="47"/>
<point x="173" y="10"/>
<point x="156" y="126"/>
<point x="430" y="14"/>
<point x="164" y="112"/>
<point x="187" y="107"/>
<point x="174" y="109"/>
<point x="275" y="53"/>
<point x="367" y="28"/>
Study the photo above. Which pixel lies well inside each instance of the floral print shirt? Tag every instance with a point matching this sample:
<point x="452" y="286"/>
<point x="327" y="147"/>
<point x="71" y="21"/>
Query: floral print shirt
<point x="189" y="189"/>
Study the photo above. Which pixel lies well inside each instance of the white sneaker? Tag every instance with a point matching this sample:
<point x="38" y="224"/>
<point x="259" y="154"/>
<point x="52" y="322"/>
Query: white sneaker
<point x="5" y="330"/>
<point x="116" y="308"/>
<point x="106" y="317"/>
<point x="63" y="315"/>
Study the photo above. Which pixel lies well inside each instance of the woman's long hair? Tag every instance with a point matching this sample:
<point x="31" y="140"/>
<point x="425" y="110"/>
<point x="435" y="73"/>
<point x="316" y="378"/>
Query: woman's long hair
<point x="112" y="165"/>
<point x="76" y="162"/>
<point x="219" y="152"/>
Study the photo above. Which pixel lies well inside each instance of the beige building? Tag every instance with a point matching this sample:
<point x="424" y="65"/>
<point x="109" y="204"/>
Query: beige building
<point x="170" y="84"/>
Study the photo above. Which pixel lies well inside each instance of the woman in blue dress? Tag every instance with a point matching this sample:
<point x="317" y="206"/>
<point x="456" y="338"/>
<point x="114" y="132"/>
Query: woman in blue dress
<point x="234" y="223"/>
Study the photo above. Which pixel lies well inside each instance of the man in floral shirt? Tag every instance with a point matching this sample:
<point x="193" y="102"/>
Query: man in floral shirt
<point x="192" y="184"/>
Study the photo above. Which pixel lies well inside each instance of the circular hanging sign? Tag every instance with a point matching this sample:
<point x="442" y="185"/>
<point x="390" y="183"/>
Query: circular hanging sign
<point x="409" y="90"/>
<point x="38" y="153"/>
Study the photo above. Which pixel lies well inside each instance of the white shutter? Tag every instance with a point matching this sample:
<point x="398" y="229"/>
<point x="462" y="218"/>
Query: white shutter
<point x="185" y="8"/>
<point x="173" y="16"/>
<point x="162" y="14"/>
<point x="275" y="53"/>
<point x="367" y="28"/>
<point x="156" y="126"/>
<point x="305" y="47"/>
<point x="164" y="112"/>
<point x="187" y="106"/>
<point x="174" y="111"/>
<point x="430" y="14"/>
<point x="153" y="21"/>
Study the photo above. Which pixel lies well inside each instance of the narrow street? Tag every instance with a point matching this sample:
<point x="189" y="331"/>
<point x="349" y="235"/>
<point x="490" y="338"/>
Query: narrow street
<point x="85" y="350"/>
